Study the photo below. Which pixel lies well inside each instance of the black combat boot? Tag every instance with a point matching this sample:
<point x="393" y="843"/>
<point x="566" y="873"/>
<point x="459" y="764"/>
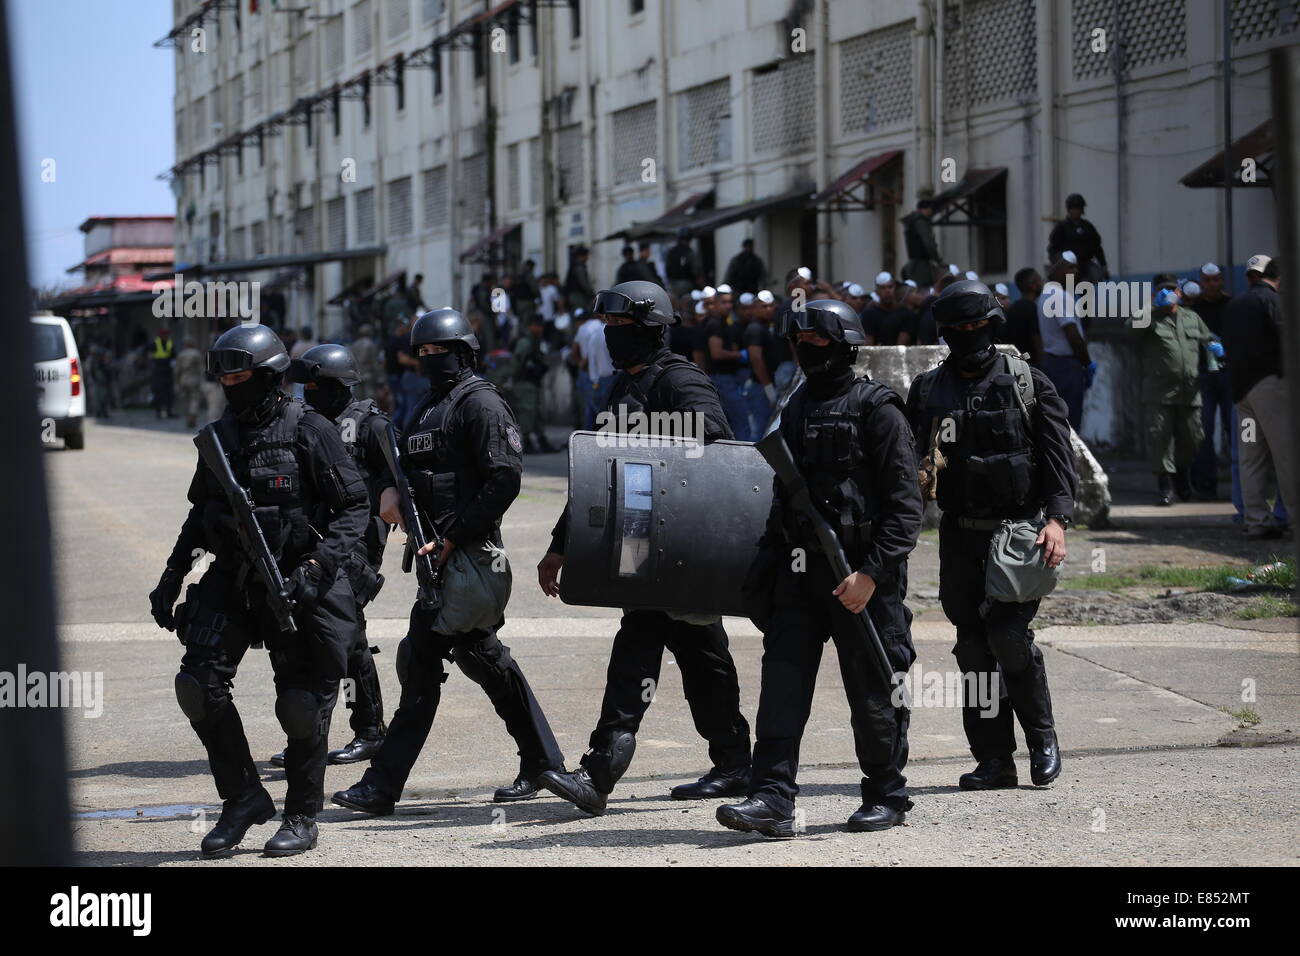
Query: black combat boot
<point x="525" y="787"/>
<point x="755" y="816"/>
<point x="577" y="787"/>
<point x="360" y="749"/>
<point x="277" y="760"/>
<point x="1044" y="761"/>
<point x="297" y="834"/>
<point x="237" y="816"/>
<point x="1183" y="484"/>
<point x="1164" y="489"/>
<point x="996" y="773"/>
<point x="366" y="798"/>
<point x="872" y="817"/>
<point x="715" y="783"/>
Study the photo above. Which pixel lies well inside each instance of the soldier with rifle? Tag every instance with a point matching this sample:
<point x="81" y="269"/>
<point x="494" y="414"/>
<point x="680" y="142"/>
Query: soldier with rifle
<point x="279" y="504"/>
<point x="457" y="472"/>
<point x="846" y="513"/>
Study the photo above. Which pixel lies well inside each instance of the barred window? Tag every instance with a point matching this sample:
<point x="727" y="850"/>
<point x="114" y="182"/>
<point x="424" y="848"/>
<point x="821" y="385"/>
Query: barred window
<point x="333" y="40"/>
<point x="535" y="161"/>
<point x="512" y="176"/>
<point x="199" y="118"/>
<point x="304" y="228"/>
<point x="399" y="207"/>
<point x="473" y="189"/>
<point x="258" y="232"/>
<point x="304" y="61"/>
<point x="636" y="139"/>
<point x="399" y="17"/>
<point x="876" y="79"/>
<point x="433" y="9"/>
<point x="237" y="101"/>
<point x="363" y="205"/>
<point x="255" y="91"/>
<point x="236" y="243"/>
<point x="1001" y="38"/>
<point x="435" y="198"/>
<point x="784" y="108"/>
<point x="1255" y="20"/>
<point x="704" y="125"/>
<point x="336" y="223"/>
<point x="1140" y="45"/>
<point x="568" y="164"/>
<point x="361" y="28"/>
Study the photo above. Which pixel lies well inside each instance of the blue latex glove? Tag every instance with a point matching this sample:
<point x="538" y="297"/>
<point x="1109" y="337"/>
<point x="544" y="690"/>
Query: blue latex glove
<point x="1215" y="348"/>
<point x="1090" y="373"/>
<point x="744" y="357"/>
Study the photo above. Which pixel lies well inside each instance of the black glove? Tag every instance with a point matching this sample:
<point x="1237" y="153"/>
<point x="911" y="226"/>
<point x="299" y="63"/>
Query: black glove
<point x="303" y="585"/>
<point x="163" y="597"/>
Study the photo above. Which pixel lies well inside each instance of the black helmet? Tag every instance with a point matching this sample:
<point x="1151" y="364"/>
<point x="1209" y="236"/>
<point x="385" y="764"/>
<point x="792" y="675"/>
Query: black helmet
<point x="968" y="300"/>
<point x="683" y="232"/>
<point x="1074" y="201"/>
<point x="247" y="347"/>
<point x="645" y="302"/>
<point x="325" y="361"/>
<point x="443" y="327"/>
<point x="832" y="318"/>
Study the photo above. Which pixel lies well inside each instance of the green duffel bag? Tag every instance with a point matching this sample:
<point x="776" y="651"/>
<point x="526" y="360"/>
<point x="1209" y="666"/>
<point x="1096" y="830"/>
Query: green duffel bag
<point x="1016" y="570"/>
<point x="475" y="589"/>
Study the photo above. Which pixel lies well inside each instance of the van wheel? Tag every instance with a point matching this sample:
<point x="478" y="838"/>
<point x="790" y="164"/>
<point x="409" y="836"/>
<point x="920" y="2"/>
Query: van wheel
<point x="75" y="440"/>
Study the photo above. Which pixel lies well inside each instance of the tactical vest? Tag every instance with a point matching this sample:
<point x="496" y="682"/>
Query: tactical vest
<point x="828" y="444"/>
<point x="634" y="391"/>
<point x="991" y="470"/>
<point x="533" y="367"/>
<point x="441" y="470"/>
<point x="264" y="462"/>
<point x="354" y="428"/>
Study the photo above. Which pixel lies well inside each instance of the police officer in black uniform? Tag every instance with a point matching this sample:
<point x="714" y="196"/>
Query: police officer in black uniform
<point x="328" y="374"/>
<point x="1002" y="428"/>
<point x="311" y="505"/>
<point x="654" y="379"/>
<point x="462" y="455"/>
<point x="852" y="443"/>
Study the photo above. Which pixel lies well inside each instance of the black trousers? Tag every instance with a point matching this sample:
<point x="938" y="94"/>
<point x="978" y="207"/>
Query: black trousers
<point x="804" y="615"/>
<point x="221" y="621"/>
<point x="365" y="700"/>
<point x="486" y="661"/>
<point x="708" y="680"/>
<point x="997" y="654"/>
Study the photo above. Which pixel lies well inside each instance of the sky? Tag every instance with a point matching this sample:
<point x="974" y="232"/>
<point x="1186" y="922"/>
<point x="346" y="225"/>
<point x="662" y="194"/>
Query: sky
<point x="95" y="97"/>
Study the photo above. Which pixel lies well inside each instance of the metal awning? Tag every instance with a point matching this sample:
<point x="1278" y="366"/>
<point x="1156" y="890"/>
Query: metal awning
<point x="275" y="262"/>
<point x="1256" y="145"/>
<point x="965" y="199"/>
<point x="702" y="221"/>
<point x="481" y="250"/>
<point x="667" y="224"/>
<point x="858" y="189"/>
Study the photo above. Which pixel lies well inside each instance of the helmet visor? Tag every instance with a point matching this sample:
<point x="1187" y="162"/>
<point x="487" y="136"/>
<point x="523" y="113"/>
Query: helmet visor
<point x="301" y="372"/>
<point x="228" y="361"/>
<point x="822" y="321"/>
<point x="615" y="304"/>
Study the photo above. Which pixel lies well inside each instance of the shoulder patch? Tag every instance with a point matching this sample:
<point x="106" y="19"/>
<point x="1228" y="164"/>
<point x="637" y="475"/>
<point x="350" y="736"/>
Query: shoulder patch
<point x="512" y="436"/>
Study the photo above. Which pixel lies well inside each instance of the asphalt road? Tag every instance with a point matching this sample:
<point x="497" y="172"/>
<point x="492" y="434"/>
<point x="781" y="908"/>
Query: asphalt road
<point x="1156" y="770"/>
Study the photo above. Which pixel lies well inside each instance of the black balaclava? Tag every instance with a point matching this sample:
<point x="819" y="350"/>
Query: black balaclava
<point x="972" y="349"/>
<point x="631" y="345"/>
<point x="329" y="397"/>
<point x="443" y="369"/>
<point x="251" y="398"/>
<point x="828" y="368"/>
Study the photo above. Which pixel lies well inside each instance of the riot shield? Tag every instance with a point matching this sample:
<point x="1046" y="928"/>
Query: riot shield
<point x="662" y="523"/>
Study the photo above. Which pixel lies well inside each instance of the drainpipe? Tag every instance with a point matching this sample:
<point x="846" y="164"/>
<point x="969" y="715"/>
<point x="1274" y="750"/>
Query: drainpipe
<point x="1121" y="137"/>
<point x="666" y="136"/>
<point x="822" y="64"/>
<point x="923" y="133"/>
<point x="1047" y="76"/>
<point x="940" y="61"/>
<point x="546" y="59"/>
<point x="1227" y="142"/>
<point x="453" y="159"/>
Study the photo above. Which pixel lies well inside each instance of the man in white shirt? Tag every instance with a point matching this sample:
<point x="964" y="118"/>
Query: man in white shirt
<point x="595" y="369"/>
<point x="1065" y="353"/>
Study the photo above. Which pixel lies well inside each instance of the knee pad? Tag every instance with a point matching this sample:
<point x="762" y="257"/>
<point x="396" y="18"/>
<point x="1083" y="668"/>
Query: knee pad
<point x="298" y="713"/>
<point x="482" y="660"/>
<point x="192" y="697"/>
<point x="403" y="660"/>
<point x="971" y="652"/>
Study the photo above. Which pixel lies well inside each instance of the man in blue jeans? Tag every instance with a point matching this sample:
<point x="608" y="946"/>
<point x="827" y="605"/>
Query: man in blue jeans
<point x="727" y="360"/>
<point x="1065" y="353"/>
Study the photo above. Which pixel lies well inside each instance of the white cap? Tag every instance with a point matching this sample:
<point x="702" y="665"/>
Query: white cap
<point x="953" y="270"/>
<point x="971" y="274"/>
<point x="856" y="290"/>
<point x="724" y="289"/>
<point x="1001" y="289"/>
<point x="1210" y="269"/>
<point x="804" y="272"/>
<point x="696" y="294"/>
<point x="911" y="282"/>
<point x="766" y="297"/>
<point x="883" y="278"/>
<point x="1258" y="262"/>
<point x="708" y="292"/>
<point x="699" y="308"/>
<point x="1191" y="289"/>
<point x="746" y="298"/>
<point x="874" y="297"/>
<point x="1070" y="257"/>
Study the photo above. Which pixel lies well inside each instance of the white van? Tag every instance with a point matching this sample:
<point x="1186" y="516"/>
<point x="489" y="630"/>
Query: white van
<point x="60" y="388"/>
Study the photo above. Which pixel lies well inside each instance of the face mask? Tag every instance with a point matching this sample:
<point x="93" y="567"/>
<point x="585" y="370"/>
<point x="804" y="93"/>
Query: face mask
<point x="631" y="345"/>
<point x="819" y="360"/>
<point x="441" y="369"/>
<point x="250" y="393"/>
<point x="971" y="347"/>
<point x="328" y="397"/>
